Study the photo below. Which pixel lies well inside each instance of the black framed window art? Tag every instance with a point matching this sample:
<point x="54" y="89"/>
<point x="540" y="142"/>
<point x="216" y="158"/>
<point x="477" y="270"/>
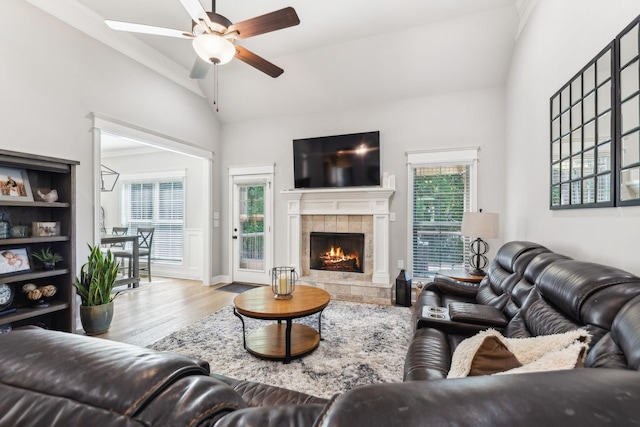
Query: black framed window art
<point x="595" y="130"/>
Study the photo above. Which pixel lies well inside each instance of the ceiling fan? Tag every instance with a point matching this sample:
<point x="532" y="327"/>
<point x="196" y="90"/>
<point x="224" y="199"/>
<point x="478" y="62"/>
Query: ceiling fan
<point x="214" y="36"/>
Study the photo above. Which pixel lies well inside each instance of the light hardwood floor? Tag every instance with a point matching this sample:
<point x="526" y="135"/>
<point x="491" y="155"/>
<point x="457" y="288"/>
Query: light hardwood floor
<point x="146" y="314"/>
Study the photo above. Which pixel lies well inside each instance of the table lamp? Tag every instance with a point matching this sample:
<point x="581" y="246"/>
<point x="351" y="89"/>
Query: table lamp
<point x="479" y="225"/>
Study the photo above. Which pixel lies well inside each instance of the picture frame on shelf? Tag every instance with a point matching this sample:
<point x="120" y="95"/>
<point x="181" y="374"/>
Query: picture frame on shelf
<point x="15" y="185"/>
<point x="45" y="229"/>
<point x="15" y="260"/>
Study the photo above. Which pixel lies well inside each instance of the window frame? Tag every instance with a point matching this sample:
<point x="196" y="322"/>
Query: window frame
<point x="156" y="179"/>
<point x="438" y="158"/>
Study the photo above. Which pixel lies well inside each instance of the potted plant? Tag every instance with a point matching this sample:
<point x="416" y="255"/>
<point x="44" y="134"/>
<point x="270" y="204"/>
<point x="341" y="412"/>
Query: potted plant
<point x="48" y="258"/>
<point x="96" y="281"/>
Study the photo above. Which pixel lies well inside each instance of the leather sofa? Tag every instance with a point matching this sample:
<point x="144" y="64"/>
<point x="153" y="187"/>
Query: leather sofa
<point x="59" y="379"/>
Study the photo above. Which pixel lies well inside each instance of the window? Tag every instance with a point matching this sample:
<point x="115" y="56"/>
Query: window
<point x="443" y="188"/>
<point x="157" y="203"/>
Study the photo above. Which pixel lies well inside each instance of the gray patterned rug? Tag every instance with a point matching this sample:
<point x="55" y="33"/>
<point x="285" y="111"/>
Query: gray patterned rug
<point x="362" y="344"/>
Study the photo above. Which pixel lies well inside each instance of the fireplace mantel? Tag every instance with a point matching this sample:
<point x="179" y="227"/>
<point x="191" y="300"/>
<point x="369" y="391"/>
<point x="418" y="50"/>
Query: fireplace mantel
<point x="342" y="201"/>
<point x="339" y="201"/>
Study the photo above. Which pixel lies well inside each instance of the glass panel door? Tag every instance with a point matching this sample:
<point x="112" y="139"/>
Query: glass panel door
<point x="251" y="231"/>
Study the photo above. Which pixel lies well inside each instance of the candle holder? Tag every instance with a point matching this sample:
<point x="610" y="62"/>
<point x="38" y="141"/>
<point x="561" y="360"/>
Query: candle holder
<point x="283" y="282"/>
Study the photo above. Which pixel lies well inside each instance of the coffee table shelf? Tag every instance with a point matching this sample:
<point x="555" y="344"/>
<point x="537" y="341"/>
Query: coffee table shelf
<point x="281" y="341"/>
<point x="269" y="342"/>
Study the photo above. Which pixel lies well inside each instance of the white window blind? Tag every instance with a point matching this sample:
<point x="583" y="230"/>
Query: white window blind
<point x="157" y="203"/>
<point x="442" y="191"/>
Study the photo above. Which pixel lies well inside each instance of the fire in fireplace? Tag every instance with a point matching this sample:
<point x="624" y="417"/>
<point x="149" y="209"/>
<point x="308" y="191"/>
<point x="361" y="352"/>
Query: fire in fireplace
<point x="337" y="252"/>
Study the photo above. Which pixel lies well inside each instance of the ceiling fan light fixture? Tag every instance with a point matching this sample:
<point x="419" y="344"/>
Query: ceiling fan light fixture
<point x="214" y="48"/>
<point x="199" y="29"/>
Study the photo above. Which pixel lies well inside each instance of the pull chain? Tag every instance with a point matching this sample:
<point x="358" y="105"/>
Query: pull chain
<point x="215" y="87"/>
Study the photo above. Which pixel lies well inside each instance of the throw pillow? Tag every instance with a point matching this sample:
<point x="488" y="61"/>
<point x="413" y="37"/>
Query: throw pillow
<point x="482" y="354"/>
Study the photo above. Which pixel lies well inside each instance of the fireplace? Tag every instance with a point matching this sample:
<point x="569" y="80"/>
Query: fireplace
<point x="342" y="252"/>
<point x="335" y="211"/>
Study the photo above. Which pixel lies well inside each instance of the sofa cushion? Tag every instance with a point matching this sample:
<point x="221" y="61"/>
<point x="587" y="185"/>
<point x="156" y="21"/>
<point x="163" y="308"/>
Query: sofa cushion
<point x="550" y="352"/>
<point x="520" y="290"/>
<point x="576" y="397"/>
<point x="619" y="348"/>
<point x="572" y="294"/>
<point x="569" y="285"/>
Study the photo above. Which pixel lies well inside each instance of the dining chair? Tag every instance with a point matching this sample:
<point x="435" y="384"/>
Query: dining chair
<point x="118" y="231"/>
<point x="145" y="240"/>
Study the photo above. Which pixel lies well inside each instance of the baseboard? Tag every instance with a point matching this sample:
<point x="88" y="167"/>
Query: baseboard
<point x="220" y="279"/>
<point x="176" y="272"/>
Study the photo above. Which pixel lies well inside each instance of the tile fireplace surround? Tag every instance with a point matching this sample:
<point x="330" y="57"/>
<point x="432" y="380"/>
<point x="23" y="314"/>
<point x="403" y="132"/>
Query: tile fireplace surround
<point x="352" y="210"/>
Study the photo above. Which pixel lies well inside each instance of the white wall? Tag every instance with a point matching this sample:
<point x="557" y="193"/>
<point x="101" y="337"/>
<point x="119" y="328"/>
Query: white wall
<point x="446" y="121"/>
<point x="164" y="161"/>
<point x="559" y="39"/>
<point x="54" y="76"/>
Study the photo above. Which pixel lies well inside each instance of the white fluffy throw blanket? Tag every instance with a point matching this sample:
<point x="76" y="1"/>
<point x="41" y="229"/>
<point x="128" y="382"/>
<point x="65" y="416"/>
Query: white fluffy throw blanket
<point x="535" y="354"/>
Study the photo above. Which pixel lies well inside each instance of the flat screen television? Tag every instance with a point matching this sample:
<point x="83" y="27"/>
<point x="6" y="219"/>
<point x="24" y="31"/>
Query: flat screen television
<point x="337" y="161"/>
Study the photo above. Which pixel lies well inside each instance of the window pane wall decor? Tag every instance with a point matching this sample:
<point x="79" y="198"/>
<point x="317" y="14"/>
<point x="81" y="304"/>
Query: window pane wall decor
<point x="581" y="129"/>
<point x="629" y="101"/>
<point x="595" y="130"/>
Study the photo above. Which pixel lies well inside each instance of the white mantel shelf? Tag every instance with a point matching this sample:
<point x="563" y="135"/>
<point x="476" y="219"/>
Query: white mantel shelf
<point x="344" y="190"/>
<point x="342" y="201"/>
<point x="339" y="201"/>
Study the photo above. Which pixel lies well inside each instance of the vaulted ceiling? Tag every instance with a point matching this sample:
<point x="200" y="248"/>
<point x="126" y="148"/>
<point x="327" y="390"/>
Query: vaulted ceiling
<point x="343" y="53"/>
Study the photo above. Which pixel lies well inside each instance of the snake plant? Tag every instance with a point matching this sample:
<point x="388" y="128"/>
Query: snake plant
<point x="97" y="278"/>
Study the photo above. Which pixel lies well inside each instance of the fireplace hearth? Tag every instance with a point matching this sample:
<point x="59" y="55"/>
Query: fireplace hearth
<point x="341" y="252"/>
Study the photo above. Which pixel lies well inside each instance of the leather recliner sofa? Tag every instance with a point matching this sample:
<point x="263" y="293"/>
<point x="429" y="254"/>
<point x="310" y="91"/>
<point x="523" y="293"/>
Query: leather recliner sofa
<point x="55" y="379"/>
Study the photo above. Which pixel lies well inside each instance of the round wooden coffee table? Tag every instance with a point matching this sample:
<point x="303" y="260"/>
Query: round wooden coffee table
<point x="281" y="341"/>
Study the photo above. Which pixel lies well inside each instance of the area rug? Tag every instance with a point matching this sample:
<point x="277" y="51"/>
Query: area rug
<point x="362" y="344"/>
<point x="237" y="287"/>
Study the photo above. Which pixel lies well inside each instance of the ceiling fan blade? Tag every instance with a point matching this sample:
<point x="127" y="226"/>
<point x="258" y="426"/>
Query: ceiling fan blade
<point x="147" y="29"/>
<point x="196" y="11"/>
<point x="273" y="21"/>
<point x="257" y="62"/>
<point x="200" y="69"/>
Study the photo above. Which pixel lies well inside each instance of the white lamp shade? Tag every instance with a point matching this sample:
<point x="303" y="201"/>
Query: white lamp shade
<point x="214" y="49"/>
<point x="480" y="224"/>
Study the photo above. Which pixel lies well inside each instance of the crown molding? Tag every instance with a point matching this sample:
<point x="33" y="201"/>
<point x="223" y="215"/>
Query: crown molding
<point x="89" y="22"/>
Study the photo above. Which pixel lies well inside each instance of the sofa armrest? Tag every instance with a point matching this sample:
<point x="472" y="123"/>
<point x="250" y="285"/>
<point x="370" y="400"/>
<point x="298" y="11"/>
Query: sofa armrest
<point x="584" y="397"/>
<point x="273" y="416"/>
<point x="56" y="378"/>
<point x="259" y="394"/>
<point x="440" y="318"/>
<point x="451" y="286"/>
